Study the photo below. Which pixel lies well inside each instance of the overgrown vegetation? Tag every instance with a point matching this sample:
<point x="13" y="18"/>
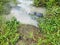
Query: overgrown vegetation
<point x="46" y="3"/>
<point x="8" y="31"/>
<point x="50" y="24"/>
<point x="8" y="28"/>
<point x="5" y="6"/>
<point x="50" y="29"/>
<point x="39" y="3"/>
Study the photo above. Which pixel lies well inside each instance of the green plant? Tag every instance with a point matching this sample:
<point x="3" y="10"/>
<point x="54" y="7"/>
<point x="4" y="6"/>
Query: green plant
<point x="50" y="3"/>
<point x="46" y="3"/>
<point x="50" y="27"/>
<point x="5" y="6"/>
<point x="8" y="31"/>
<point x="39" y="2"/>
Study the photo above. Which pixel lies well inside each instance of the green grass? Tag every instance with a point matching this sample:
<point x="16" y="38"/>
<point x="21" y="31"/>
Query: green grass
<point x="46" y="3"/>
<point x="50" y="24"/>
<point x="8" y="31"/>
<point x="50" y="27"/>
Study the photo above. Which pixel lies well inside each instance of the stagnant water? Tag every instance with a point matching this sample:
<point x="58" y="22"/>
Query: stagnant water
<point x="22" y="10"/>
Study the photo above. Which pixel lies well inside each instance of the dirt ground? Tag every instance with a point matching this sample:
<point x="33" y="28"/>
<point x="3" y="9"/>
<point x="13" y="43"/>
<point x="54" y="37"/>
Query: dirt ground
<point x="28" y="35"/>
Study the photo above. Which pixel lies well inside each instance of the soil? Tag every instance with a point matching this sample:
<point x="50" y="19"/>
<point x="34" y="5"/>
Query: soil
<point x="28" y="35"/>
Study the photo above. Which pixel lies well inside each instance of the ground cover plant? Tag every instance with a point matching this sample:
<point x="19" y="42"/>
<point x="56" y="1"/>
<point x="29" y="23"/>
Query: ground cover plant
<point x="50" y="28"/>
<point x="46" y="3"/>
<point x="47" y="33"/>
<point x="8" y="31"/>
<point x="5" y="6"/>
<point x="50" y="25"/>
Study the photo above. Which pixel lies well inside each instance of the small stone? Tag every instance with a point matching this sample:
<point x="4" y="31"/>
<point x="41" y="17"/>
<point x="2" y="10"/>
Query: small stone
<point x="35" y="13"/>
<point x="39" y="15"/>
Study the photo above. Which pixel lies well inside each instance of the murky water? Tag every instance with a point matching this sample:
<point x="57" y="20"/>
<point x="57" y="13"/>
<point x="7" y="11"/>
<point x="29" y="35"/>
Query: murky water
<point x="21" y="12"/>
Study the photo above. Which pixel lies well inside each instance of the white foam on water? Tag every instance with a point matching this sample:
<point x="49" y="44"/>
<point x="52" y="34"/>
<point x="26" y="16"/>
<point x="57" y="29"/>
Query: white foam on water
<point x="22" y="14"/>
